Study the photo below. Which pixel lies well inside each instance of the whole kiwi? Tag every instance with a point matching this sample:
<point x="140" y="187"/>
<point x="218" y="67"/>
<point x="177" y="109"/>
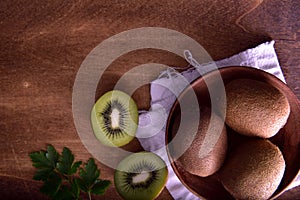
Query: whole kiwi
<point x="253" y="170"/>
<point x="255" y="108"/>
<point x="208" y="148"/>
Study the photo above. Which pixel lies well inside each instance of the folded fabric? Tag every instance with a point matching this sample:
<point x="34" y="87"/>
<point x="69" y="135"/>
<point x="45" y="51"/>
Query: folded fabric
<point x="165" y="89"/>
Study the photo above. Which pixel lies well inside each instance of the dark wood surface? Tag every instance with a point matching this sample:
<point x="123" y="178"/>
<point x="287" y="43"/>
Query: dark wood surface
<point x="43" y="44"/>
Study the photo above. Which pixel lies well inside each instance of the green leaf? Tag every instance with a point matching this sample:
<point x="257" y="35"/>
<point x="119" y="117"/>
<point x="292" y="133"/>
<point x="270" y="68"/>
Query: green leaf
<point x="82" y="185"/>
<point x="75" y="166"/>
<point x="45" y="159"/>
<point x="89" y="181"/>
<point x="64" y="194"/>
<point x="75" y="189"/>
<point x="90" y="173"/>
<point x="42" y="174"/>
<point x="51" y="185"/>
<point x="58" y="172"/>
<point x="65" y="164"/>
<point x="100" y="187"/>
<point x="52" y="155"/>
<point x="67" y="192"/>
<point x="45" y="162"/>
<point x="39" y="160"/>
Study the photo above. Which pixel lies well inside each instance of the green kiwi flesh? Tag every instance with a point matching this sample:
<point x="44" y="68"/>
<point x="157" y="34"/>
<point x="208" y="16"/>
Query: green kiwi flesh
<point x="141" y="175"/>
<point x="114" y="118"/>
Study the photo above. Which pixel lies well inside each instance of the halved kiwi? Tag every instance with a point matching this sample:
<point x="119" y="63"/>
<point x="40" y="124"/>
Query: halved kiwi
<point x="114" y="118"/>
<point x="141" y="175"/>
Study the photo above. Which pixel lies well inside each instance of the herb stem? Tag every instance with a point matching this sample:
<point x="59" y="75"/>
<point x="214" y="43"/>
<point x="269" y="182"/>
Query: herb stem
<point x="90" y="197"/>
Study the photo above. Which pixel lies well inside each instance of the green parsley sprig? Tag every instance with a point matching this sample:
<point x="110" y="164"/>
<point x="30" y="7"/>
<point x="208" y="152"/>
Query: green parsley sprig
<point x="65" y="179"/>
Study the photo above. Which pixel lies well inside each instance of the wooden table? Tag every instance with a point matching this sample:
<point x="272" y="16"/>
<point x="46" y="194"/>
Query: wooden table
<point x="43" y="44"/>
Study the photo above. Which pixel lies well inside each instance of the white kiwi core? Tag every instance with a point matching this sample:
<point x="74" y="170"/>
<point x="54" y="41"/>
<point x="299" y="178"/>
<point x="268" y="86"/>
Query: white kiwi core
<point x="115" y="118"/>
<point x="141" y="177"/>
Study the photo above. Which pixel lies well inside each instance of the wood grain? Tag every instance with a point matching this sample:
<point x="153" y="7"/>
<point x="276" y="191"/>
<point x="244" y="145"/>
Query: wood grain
<point x="43" y="44"/>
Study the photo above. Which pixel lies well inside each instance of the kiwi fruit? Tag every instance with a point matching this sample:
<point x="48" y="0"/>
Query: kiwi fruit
<point x="255" y="108"/>
<point x="254" y="170"/>
<point x="141" y="175"/>
<point x="192" y="159"/>
<point x="114" y="118"/>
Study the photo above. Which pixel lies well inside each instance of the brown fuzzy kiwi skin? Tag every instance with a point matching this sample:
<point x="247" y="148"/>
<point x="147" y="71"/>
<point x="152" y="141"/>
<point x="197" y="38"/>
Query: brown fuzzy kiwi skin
<point x="213" y="161"/>
<point x="254" y="170"/>
<point x="255" y="108"/>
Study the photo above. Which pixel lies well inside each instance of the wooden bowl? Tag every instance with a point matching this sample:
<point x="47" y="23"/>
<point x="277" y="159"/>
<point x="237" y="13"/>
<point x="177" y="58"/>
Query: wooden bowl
<point x="287" y="139"/>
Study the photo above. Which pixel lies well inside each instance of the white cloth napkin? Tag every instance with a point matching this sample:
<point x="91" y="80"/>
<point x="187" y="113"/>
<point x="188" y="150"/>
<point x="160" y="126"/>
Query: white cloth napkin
<point x="151" y="131"/>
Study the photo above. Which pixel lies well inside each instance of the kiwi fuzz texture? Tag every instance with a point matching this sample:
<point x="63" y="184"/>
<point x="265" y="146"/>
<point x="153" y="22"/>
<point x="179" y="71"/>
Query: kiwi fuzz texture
<point x="213" y="138"/>
<point x="114" y="118"/>
<point x="254" y="170"/>
<point x="255" y="108"/>
<point x="141" y="176"/>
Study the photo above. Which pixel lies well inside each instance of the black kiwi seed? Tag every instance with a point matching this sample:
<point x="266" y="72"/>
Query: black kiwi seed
<point x="110" y="131"/>
<point x="138" y="169"/>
